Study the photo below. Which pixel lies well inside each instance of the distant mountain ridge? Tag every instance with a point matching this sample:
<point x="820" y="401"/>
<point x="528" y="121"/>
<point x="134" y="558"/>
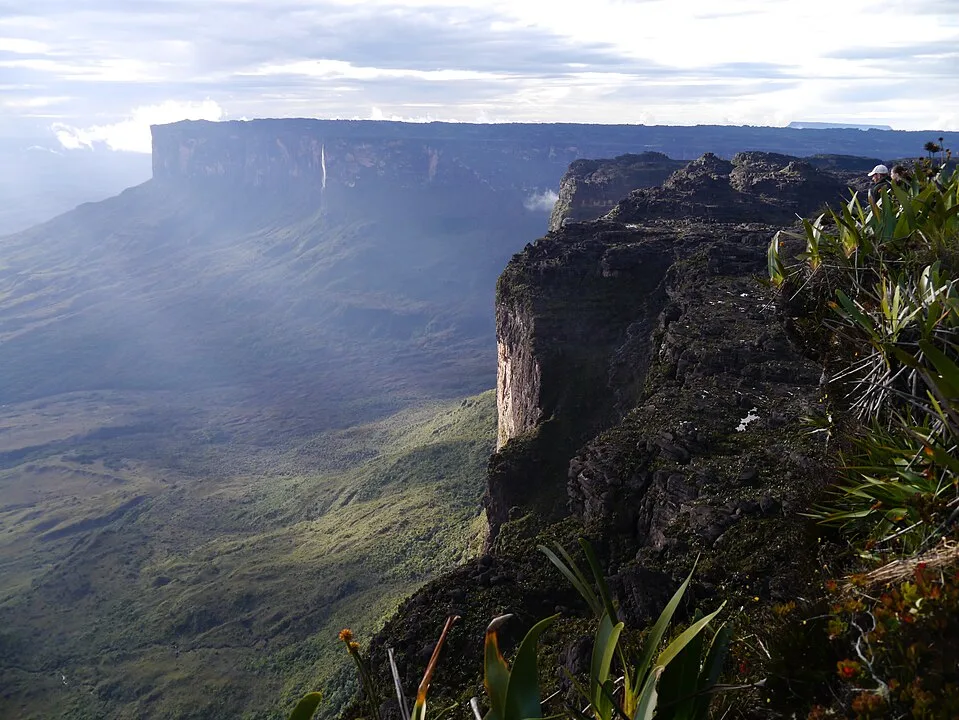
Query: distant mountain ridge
<point x="39" y="180"/>
<point x="284" y="152"/>
<point x="803" y="125"/>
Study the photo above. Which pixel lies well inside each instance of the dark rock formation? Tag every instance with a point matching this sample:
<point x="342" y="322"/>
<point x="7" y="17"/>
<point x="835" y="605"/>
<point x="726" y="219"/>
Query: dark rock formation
<point x="753" y="187"/>
<point x="597" y="321"/>
<point x="647" y="387"/>
<point x="591" y="188"/>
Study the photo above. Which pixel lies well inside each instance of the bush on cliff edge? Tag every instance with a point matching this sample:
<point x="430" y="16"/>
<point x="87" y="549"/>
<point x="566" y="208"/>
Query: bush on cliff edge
<point x="873" y="295"/>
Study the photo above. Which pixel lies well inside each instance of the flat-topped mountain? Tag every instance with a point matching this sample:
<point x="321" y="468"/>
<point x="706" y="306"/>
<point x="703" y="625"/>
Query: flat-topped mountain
<point x="514" y="155"/>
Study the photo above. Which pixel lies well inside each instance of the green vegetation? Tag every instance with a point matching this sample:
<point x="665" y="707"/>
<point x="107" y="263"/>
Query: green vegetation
<point x="892" y="349"/>
<point x="874" y="296"/>
<point x="677" y="685"/>
<point x="219" y="592"/>
<point x="673" y="683"/>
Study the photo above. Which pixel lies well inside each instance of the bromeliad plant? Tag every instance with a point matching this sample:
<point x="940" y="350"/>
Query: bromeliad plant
<point x="673" y="683"/>
<point x="881" y="280"/>
<point x="513" y="693"/>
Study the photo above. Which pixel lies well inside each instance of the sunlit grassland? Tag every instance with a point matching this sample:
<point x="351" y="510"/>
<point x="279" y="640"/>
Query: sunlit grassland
<point x="135" y="587"/>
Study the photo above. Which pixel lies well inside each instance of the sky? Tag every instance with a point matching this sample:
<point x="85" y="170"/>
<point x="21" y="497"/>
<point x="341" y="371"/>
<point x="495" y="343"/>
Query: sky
<point x="97" y="73"/>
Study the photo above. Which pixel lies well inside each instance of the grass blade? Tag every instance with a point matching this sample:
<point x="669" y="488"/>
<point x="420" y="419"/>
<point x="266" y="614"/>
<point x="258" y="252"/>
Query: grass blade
<point x="398" y="684"/>
<point x="655" y="636"/>
<point x="576" y="578"/>
<point x="598" y="576"/>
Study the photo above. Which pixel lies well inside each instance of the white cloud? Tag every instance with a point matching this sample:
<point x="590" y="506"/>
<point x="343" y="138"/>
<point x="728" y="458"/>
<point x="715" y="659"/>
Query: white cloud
<point x="112" y="70"/>
<point x="341" y="70"/>
<point x="22" y="46"/>
<point x="541" y="202"/>
<point x="36" y="101"/>
<point x="745" y="61"/>
<point x="133" y="134"/>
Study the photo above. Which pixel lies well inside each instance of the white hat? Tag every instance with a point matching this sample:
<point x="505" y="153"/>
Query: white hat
<point x="879" y="170"/>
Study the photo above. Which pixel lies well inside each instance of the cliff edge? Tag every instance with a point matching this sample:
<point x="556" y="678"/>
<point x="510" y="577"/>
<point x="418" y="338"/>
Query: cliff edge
<point x="650" y="399"/>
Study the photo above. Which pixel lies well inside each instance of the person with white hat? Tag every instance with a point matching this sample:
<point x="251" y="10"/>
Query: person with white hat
<point x="880" y="181"/>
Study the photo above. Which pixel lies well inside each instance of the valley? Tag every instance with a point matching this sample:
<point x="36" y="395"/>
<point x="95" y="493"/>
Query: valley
<point x="153" y="572"/>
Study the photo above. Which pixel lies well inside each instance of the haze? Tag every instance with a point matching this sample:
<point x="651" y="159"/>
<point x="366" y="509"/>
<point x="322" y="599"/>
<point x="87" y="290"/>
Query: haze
<point x="95" y="75"/>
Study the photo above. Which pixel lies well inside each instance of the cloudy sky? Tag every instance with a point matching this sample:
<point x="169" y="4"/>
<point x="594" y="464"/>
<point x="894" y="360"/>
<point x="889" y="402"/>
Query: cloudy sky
<point x="98" y="72"/>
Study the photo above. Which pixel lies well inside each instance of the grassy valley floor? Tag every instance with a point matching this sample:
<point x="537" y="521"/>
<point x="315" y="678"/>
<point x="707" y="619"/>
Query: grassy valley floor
<point x="163" y="561"/>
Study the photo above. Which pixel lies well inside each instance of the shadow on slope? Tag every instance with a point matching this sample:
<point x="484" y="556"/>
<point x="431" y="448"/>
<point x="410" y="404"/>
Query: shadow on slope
<point x="137" y="592"/>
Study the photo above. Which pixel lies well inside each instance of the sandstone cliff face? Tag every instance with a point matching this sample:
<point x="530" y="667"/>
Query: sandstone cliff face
<point x="591" y="188"/>
<point x="306" y="153"/>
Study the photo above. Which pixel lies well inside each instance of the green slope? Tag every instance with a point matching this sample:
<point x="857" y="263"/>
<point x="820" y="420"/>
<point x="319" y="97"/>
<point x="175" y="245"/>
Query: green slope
<point x="129" y="591"/>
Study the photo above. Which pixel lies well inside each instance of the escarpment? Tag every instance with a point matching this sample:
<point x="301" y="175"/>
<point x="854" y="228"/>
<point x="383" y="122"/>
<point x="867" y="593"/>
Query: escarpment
<point x="650" y="399"/>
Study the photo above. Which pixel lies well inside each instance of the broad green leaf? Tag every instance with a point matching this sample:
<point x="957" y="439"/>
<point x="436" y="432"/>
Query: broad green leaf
<point x="648" y="698"/>
<point x="307" y="706"/>
<point x="676" y="646"/>
<point x="680" y="680"/>
<point x="522" y="694"/>
<point x="496" y="671"/>
<point x="948" y="382"/>
<point x="712" y="669"/>
<point x="657" y="632"/>
<point x="777" y="272"/>
<point x="604" y="647"/>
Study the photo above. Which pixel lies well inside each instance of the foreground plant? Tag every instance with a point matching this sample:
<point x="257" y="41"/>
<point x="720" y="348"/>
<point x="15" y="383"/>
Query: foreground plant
<point x="366" y="679"/>
<point x="898" y="623"/>
<point x="513" y="693"/>
<point x="675" y="682"/>
<point x="308" y="705"/>
<point x="877" y="287"/>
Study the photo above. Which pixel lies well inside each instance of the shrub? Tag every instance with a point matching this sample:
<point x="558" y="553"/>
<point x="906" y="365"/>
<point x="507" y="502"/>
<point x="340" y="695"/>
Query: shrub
<point x="903" y="660"/>
<point x="876" y="284"/>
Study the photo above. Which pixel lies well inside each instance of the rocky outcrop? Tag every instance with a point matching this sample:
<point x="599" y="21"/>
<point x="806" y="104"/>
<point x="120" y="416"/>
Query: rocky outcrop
<point x="753" y="187"/>
<point x="585" y="313"/>
<point x="715" y="457"/>
<point x="591" y="188"/>
<point x="562" y="307"/>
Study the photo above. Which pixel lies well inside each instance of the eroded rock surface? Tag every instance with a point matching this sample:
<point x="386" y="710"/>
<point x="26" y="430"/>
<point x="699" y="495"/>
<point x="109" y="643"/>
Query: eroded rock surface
<point x="753" y="187"/>
<point x="656" y="305"/>
<point x="591" y="188"/>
